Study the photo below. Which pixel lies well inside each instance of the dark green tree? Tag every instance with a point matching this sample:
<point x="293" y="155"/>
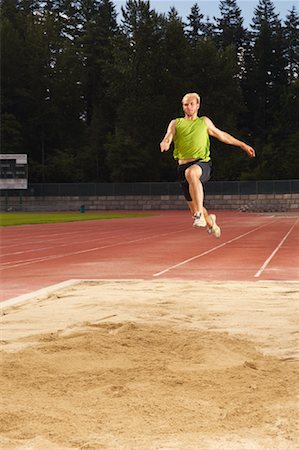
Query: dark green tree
<point x="195" y="24"/>
<point x="285" y="136"/>
<point x="11" y="134"/>
<point x="265" y="84"/>
<point x="139" y="76"/>
<point x="95" y="26"/>
<point x="175" y="62"/>
<point x="230" y="25"/>
<point x="98" y="27"/>
<point x="291" y="34"/>
<point x="209" y="29"/>
<point x="25" y="58"/>
<point x="265" y="76"/>
<point x="12" y="79"/>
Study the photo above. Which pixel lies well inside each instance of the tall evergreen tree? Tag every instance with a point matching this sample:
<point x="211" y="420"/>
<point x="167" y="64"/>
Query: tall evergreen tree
<point x="136" y="85"/>
<point x="230" y="24"/>
<point x="265" y="84"/>
<point x="95" y="26"/>
<point x="195" y="24"/>
<point x="265" y="76"/>
<point x="62" y="127"/>
<point x="286" y="135"/>
<point x="291" y="33"/>
<point x="230" y="31"/>
<point x="25" y="73"/>
<point x="99" y="26"/>
<point x="264" y="14"/>
<point x="175" y="63"/>
<point x="209" y="30"/>
<point x="12" y="79"/>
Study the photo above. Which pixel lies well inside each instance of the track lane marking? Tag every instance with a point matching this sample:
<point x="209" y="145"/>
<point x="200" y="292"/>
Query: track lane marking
<point x="263" y="267"/>
<point x="209" y="251"/>
<point x="57" y="245"/>
<point x="51" y="238"/>
<point x="25" y="262"/>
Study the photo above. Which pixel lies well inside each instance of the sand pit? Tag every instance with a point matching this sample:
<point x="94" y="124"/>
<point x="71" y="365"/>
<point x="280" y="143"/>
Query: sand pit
<point x="152" y="365"/>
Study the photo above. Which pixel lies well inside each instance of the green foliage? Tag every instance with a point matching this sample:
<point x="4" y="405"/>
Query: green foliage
<point x="11" y="135"/>
<point x="291" y="34"/>
<point x="230" y="25"/>
<point x="265" y="84"/>
<point x="125" y="159"/>
<point x="62" y="166"/>
<point x="88" y="98"/>
<point x="195" y="25"/>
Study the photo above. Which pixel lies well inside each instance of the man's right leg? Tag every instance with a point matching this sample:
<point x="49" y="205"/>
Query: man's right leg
<point x="193" y="209"/>
<point x="193" y="174"/>
<point x="195" y="203"/>
<point x="213" y="228"/>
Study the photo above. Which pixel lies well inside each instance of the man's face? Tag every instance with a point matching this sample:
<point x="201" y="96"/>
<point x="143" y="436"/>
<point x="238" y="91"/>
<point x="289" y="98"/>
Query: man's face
<point x="190" y="106"/>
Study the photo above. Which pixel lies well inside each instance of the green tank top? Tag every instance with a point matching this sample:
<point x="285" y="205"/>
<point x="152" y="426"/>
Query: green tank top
<point x="191" y="139"/>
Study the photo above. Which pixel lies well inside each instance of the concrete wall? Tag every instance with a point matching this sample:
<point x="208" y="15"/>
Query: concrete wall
<point x="253" y="202"/>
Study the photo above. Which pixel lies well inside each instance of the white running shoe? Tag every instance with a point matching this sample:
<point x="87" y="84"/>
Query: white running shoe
<point x="199" y="221"/>
<point x="214" y="229"/>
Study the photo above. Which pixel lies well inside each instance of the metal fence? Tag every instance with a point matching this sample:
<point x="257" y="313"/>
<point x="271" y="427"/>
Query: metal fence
<point x="152" y="189"/>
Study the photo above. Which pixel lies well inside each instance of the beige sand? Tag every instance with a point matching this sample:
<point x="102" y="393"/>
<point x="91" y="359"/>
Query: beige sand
<point x="152" y="365"/>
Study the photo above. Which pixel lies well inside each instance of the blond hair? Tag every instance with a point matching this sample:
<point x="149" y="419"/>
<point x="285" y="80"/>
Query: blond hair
<point x="193" y="95"/>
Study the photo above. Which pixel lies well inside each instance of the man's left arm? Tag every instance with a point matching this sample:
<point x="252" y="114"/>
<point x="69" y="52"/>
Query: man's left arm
<point x="228" y="138"/>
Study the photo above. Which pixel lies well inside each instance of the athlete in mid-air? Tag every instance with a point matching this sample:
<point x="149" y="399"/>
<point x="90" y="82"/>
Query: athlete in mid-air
<point x="191" y="137"/>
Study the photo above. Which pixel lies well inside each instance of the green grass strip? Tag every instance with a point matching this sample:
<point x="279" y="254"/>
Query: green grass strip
<point x="30" y="218"/>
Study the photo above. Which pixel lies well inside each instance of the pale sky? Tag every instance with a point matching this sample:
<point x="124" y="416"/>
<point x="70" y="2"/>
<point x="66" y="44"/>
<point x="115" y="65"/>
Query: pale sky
<point x="211" y="7"/>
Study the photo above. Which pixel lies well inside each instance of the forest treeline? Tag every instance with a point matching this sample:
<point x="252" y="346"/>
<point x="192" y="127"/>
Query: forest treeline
<point x="88" y="94"/>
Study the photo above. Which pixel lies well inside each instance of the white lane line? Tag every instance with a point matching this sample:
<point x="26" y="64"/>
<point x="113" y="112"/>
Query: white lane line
<point x="57" y="245"/>
<point x="51" y="238"/>
<point x="208" y="251"/>
<point x="25" y="262"/>
<point x="262" y="268"/>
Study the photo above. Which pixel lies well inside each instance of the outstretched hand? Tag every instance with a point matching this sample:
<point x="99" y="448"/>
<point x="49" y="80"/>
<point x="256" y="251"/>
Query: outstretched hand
<point x="249" y="150"/>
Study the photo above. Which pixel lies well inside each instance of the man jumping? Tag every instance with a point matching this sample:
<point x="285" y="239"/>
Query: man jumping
<point x="191" y="137"/>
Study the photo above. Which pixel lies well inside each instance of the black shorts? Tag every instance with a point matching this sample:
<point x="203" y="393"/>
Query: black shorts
<point x="206" y="168"/>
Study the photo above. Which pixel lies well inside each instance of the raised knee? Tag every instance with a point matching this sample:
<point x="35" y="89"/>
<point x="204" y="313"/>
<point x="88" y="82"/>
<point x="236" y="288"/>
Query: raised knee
<point x="193" y="173"/>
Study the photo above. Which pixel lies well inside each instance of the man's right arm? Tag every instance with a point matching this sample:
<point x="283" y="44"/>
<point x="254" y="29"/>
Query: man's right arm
<point x="167" y="140"/>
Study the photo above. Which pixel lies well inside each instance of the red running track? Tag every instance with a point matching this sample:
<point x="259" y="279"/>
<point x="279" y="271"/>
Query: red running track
<point x="252" y="247"/>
